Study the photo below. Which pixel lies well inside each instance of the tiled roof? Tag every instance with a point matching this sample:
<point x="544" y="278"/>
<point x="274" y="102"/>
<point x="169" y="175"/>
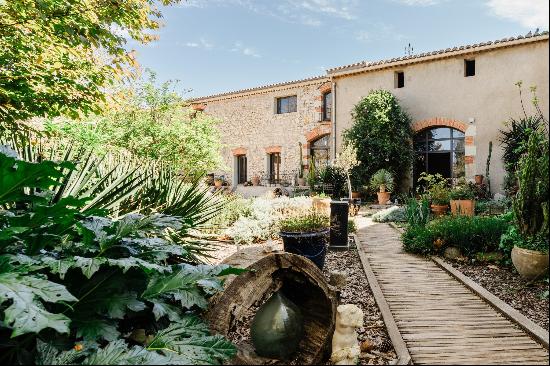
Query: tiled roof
<point x="268" y="86"/>
<point x="388" y="62"/>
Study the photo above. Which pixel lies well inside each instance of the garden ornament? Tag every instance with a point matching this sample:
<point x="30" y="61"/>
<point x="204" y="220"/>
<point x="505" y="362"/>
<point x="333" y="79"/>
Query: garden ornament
<point x="345" y="347"/>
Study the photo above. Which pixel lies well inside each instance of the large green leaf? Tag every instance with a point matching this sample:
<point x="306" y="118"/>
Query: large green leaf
<point x="15" y="175"/>
<point x="118" y="353"/>
<point x="26" y="314"/>
<point x="185" y="346"/>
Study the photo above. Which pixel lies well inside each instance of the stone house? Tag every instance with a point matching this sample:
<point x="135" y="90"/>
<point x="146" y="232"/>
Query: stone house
<point x="458" y="99"/>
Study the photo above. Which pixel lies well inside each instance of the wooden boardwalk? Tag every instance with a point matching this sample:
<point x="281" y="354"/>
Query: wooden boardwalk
<point x="440" y="320"/>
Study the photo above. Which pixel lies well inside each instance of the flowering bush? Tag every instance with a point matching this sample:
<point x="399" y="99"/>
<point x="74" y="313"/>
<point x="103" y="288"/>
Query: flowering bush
<point x="391" y="214"/>
<point x="261" y="222"/>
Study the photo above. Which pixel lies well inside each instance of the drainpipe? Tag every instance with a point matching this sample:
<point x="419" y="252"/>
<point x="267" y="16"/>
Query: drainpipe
<point x="333" y="114"/>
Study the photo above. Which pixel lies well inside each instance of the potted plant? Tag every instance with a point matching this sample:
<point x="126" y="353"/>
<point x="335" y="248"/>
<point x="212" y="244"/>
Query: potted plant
<point x="382" y="183"/>
<point x="255" y="180"/>
<point x="436" y="187"/>
<point x="306" y="236"/>
<point x="301" y="180"/>
<point x="462" y="199"/>
<point x="218" y="182"/>
<point x="531" y="209"/>
<point x="346" y="161"/>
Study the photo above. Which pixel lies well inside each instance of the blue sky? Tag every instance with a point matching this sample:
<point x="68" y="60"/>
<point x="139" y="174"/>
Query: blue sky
<point x="213" y="46"/>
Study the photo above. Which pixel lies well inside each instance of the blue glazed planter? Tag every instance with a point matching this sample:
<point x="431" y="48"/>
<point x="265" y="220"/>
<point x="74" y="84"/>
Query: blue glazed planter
<point x="310" y="245"/>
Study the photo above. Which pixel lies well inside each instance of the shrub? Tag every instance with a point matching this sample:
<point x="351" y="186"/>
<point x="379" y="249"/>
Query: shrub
<point x="262" y="222"/>
<point x="337" y="178"/>
<point x="462" y="191"/>
<point x="469" y="234"/>
<point x="417" y="213"/>
<point x="312" y="222"/>
<point x="391" y="214"/>
<point x="436" y="187"/>
<point x="72" y="276"/>
<point x="382" y="178"/>
<point x="381" y="133"/>
<point x="531" y="204"/>
<point x="418" y="240"/>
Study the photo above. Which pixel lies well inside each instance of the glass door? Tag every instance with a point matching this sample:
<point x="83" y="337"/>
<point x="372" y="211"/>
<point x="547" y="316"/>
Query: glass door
<point x="274" y="168"/>
<point x="241" y="169"/>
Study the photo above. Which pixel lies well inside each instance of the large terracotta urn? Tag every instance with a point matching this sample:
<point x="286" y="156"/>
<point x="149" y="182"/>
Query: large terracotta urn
<point x="383" y="197"/>
<point x="255" y="180"/>
<point x="439" y="210"/>
<point x="530" y="264"/>
<point x="463" y="207"/>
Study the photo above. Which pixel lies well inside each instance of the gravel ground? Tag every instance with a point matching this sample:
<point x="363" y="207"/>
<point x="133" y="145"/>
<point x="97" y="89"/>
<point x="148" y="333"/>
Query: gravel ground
<point x="376" y="345"/>
<point x="506" y="284"/>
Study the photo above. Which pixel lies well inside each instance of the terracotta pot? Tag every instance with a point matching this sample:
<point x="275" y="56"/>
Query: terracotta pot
<point x="383" y="197"/>
<point x="530" y="264"/>
<point x="255" y="180"/>
<point x="301" y="181"/>
<point x="321" y="205"/>
<point x="355" y="195"/>
<point x="439" y="210"/>
<point x="218" y="183"/>
<point x="463" y="207"/>
<point x="478" y="179"/>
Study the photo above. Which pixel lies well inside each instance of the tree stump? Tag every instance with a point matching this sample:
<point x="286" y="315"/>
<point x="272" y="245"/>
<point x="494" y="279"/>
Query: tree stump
<point x="299" y="280"/>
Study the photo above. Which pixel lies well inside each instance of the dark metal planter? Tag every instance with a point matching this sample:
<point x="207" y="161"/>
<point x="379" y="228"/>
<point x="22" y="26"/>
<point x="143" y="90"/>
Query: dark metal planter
<point x="310" y="245"/>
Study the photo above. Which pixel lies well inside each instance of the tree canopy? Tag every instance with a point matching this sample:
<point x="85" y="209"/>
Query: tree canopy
<point x="57" y="57"/>
<point x="381" y="133"/>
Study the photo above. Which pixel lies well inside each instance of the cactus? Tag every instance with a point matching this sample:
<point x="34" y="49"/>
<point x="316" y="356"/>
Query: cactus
<point x="301" y="169"/>
<point x="487" y="166"/>
<point x="531" y="202"/>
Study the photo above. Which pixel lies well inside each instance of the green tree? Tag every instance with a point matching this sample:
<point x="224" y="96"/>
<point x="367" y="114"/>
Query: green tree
<point x="382" y="134"/>
<point x="151" y="122"/>
<point x="57" y="57"/>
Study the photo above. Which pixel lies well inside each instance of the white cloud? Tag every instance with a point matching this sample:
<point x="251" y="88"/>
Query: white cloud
<point x="363" y="36"/>
<point x="419" y="2"/>
<point x="247" y="51"/>
<point x="201" y="43"/>
<point x="528" y="13"/>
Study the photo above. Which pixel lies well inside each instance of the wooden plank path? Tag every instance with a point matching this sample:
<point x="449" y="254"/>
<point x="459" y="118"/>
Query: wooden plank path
<point x="440" y="320"/>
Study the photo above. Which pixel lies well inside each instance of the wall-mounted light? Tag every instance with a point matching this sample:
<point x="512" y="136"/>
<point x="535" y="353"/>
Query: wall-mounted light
<point x="471" y="120"/>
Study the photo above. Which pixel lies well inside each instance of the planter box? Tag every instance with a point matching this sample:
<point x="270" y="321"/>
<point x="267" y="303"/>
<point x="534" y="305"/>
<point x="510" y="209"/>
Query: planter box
<point x="463" y="207"/>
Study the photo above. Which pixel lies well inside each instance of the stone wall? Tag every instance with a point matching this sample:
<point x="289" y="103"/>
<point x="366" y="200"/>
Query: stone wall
<point x="250" y="125"/>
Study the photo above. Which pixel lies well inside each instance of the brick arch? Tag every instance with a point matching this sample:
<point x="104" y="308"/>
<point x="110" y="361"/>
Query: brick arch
<point x="438" y="122"/>
<point x="238" y="151"/>
<point x="318" y="132"/>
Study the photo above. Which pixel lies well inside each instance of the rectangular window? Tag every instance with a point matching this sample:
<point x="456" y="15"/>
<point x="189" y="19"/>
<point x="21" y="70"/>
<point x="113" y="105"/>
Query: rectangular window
<point x="287" y="104"/>
<point x="399" y="79"/>
<point x="469" y="68"/>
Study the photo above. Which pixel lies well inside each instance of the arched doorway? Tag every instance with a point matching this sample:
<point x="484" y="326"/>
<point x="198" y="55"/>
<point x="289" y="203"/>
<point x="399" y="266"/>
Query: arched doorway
<point x="439" y="150"/>
<point x="320" y="151"/>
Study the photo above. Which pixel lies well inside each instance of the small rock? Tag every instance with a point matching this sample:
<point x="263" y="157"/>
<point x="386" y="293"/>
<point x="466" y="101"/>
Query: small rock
<point x="338" y="279"/>
<point x="452" y="253"/>
<point x="367" y="346"/>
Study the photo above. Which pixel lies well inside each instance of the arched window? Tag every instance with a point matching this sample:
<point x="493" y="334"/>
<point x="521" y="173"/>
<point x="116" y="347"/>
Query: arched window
<point x="439" y="150"/>
<point x="327" y="106"/>
<point x="320" y="151"/>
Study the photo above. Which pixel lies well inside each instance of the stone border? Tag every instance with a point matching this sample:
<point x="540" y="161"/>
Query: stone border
<point x="536" y="332"/>
<point x="403" y="356"/>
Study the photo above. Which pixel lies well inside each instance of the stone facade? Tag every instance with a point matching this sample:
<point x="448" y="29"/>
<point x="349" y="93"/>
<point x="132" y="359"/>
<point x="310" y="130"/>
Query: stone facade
<point x="436" y="93"/>
<point x="250" y="125"/>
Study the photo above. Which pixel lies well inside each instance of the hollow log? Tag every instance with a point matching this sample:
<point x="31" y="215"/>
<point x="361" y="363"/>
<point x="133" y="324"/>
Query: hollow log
<point x="299" y="280"/>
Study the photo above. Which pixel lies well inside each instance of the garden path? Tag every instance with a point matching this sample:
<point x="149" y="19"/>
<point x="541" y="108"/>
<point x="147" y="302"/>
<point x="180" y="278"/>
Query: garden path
<point x="440" y="320"/>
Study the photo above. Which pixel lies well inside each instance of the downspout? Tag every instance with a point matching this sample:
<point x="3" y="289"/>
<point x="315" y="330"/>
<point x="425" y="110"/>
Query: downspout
<point x="333" y="115"/>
